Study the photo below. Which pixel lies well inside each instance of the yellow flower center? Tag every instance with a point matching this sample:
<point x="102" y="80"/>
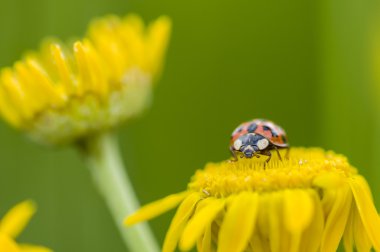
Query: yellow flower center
<point x="297" y="171"/>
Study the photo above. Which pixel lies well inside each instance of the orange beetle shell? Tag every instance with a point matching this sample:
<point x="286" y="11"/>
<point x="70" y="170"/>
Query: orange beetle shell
<point x="274" y="133"/>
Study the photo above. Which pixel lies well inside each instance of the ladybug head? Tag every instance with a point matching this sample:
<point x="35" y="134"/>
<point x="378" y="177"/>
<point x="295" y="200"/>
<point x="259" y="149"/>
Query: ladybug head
<point x="249" y="150"/>
<point x="250" y="143"/>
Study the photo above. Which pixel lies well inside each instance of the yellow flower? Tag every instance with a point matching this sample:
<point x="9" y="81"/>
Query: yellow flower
<point x="11" y="226"/>
<point x="309" y="202"/>
<point x="61" y="94"/>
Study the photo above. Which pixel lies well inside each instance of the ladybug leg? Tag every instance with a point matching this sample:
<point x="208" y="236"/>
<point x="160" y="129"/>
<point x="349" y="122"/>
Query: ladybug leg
<point x="278" y="153"/>
<point x="287" y="153"/>
<point x="233" y="155"/>
<point x="267" y="153"/>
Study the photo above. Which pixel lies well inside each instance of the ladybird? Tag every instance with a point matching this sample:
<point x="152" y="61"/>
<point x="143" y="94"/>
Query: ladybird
<point x="258" y="137"/>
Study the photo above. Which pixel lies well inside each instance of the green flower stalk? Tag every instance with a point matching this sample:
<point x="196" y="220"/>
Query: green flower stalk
<point x="102" y="155"/>
<point x="78" y="94"/>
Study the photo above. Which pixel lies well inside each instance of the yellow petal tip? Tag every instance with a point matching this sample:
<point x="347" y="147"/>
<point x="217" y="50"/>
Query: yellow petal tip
<point x="128" y="221"/>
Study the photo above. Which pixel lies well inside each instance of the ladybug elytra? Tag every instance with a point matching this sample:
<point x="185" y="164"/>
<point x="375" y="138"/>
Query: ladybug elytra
<point x="258" y="137"/>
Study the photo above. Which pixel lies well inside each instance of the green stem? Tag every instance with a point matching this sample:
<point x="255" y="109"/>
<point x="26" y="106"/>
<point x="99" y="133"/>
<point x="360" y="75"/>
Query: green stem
<point x="104" y="160"/>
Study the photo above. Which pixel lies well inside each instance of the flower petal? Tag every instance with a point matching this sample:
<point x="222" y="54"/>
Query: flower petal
<point x="366" y="209"/>
<point x="239" y="222"/>
<point x="33" y="248"/>
<point x="156" y="208"/>
<point x="298" y="211"/>
<point x="198" y="223"/>
<point x="348" y="236"/>
<point x="17" y="218"/>
<point x="355" y="233"/>
<point x="257" y="243"/>
<point x="279" y="238"/>
<point x="179" y="221"/>
<point x="311" y="238"/>
<point x="157" y="40"/>
<point x="362" y="241"/>
<point x="7" y="110"/>
<point x="204" y="243"/>
<point x="62" y="67"/>
<point x="7" y="244"/>
<point x="336" y="217"/>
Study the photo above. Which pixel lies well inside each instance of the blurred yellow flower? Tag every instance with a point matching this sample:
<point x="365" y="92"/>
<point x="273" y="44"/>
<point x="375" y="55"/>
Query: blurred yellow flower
<point x="307" y="203"/>
<point x="11" y="226"/>
<point x="59" y="95"/>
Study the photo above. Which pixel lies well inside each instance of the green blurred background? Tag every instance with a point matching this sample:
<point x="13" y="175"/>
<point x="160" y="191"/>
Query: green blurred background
<point x="307" y="65"/>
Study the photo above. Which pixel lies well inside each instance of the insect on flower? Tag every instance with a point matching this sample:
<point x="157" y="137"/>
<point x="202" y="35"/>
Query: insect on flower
<point x="258" y="137"/>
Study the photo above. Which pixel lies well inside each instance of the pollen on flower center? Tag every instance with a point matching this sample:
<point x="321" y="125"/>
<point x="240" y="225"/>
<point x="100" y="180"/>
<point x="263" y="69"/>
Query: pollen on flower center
<point x="298" y="171"/>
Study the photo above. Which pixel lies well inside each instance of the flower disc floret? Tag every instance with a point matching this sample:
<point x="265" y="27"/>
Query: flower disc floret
<point x="299" y="171"/>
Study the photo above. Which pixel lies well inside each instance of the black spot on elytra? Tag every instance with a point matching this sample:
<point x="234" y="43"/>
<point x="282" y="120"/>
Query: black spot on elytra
<point x="266" y="128"/>
<point x="274" y="133"/>
<point x="252" y="127"/>
<point x="284" y="139"/>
